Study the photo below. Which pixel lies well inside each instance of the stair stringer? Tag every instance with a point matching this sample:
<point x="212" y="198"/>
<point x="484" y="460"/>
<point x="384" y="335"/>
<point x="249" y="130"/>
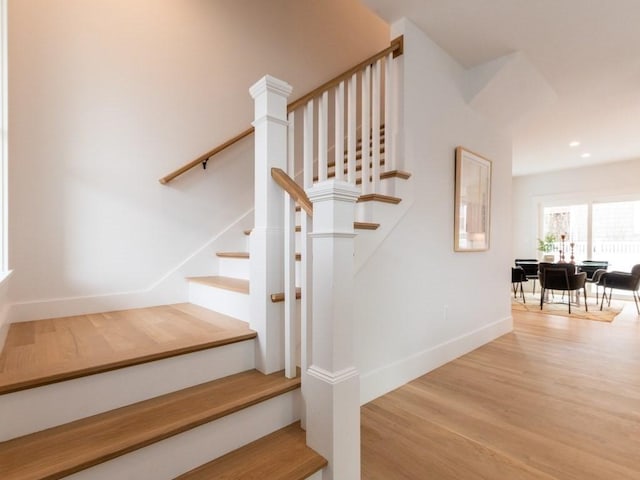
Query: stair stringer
<point x="387" y="215"/>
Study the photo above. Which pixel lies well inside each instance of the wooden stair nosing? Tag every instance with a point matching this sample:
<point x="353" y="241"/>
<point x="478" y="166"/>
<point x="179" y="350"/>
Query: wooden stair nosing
<point x="356" y="226"/>
<point x="377" y="197"/>
<point x="232" y="284"/>
<point x="70" y="448"/>
<point x="232" y="254"/>
<point x="245" y="255"/>
<point x="281" y="455"/>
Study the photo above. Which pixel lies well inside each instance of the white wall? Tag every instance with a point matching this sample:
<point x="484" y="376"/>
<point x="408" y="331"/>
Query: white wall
<point x="107" y="96"/>
<point x="418" y="303"/>
<point x="611" y="181"/>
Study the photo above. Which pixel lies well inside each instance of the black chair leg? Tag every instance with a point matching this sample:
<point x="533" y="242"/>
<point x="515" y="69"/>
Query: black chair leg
<point x="542" y="290"/>
<point x="522" y="293"/>
<point x="636" y="298"/>
<point x="586" y="307"/>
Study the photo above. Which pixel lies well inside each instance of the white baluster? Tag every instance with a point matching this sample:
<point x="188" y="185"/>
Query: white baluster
<point x="389" y="114"/>
<point x="290" y="336"/>
<point x="375" y="127"/>
<point x="338" y="143"/>
<point x="366" y="129"/>
<point x="307" y="168"/>
<point x="323" y="136"/>
<point x="306" y="274"/>
<point x="351" y="128"/>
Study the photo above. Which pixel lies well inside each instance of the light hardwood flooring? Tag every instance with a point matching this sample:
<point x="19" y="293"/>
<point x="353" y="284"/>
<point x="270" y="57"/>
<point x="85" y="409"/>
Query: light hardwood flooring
<point x="556" y="399"/>
<point x="46" y="351"/>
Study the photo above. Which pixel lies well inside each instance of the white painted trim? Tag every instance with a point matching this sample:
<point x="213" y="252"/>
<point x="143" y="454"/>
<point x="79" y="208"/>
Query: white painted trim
<point x="4" y="142"/>
<point x="4" y="306"/>
<point x="270" y="84"/>
<point x="271" y="119"/>
<point x="172" y="287"/>
<point x="332" y="378"/>
<point x="389" y="377"/>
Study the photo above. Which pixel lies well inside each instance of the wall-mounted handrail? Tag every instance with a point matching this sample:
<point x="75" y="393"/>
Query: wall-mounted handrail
<point x="396" y="48"/>
<point x="204" y="157"/>
<point x="294" y="190"/>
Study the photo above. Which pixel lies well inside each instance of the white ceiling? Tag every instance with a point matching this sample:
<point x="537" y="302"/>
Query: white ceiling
<point x="587" y="50"/>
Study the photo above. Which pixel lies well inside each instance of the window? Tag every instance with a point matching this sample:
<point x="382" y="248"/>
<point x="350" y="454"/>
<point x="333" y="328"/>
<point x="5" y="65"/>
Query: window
<point x="598" y="230"/>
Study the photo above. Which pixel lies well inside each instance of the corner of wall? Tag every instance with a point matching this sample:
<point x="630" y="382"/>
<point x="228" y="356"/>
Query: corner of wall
<point x="4" y="306"/>
<point x="389" y="377"/>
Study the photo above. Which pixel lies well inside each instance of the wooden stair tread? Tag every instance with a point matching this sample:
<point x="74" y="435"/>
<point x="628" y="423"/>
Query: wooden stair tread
<point x="72" y="447"/>
<point x="227" y="283"/>
<point x="282" y="455"/>
<point x="377" y="197"/>
<point x="365" y="226"/>
<point x="279" y="297"/>
<point x="232" y="254"/>
<point x="41" y="352"/>
<point x="243" y="255"/>
<point x="356" y="226"/>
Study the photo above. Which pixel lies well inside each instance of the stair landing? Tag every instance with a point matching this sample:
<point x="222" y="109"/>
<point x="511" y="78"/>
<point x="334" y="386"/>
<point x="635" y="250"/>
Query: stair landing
<point x="47" y="351"/>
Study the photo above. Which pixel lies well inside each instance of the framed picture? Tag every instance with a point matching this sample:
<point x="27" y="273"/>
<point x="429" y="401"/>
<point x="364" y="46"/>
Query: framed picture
<point x="472" y="202"/>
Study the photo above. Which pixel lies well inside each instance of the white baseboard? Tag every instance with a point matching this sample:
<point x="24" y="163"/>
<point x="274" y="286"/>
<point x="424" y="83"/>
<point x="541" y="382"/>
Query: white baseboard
<point x="385" y="379"/>
<point x="170" y="288"/>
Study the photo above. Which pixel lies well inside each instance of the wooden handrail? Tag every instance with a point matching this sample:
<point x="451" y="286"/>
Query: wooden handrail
<point x="396" y="47"/>
<point x="205" y="156"/>
<point x="293" y="189"/>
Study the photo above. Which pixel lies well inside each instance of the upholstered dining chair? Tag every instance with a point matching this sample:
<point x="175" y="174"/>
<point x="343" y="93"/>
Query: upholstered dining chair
<point x="597" y="280"/>
<point x="530" y="267"/>
<point x="563" y="277"/>
<point x="621" y="281"/>
<point x="518" y="276"/>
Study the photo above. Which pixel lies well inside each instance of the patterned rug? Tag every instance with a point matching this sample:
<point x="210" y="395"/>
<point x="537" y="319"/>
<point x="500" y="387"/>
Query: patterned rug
<point x="556" y="308"/>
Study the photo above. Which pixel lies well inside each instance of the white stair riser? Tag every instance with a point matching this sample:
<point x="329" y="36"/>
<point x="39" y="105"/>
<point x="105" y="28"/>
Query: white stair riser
<point x="234" y="267"/>
<point x="183" y="452"/>
<point x="36" y="409"/>
<point x="316" y="476"/>
<point x="230" y="303"/>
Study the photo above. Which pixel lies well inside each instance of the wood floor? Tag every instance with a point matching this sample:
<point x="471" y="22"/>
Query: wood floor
<point x="46" y="351"/>
<point x="557" y="399"/>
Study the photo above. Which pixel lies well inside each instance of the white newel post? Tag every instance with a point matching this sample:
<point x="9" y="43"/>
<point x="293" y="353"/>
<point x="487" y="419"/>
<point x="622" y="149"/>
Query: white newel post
<point x="267" y="237"/>
<point x="333" y="383"/>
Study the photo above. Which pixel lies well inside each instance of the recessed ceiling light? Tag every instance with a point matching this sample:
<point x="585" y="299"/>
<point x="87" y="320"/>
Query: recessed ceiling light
<point x="574" y="144"/>
<point x="585" y="155"/>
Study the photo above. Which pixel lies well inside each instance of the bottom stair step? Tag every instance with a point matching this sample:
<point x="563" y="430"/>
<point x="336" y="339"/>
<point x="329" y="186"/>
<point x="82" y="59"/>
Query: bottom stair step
<point x="81" y="444"/>
<point x="282" y="455"/>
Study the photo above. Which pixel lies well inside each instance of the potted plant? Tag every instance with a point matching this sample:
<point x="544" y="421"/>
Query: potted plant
<point x="546" y="247"/>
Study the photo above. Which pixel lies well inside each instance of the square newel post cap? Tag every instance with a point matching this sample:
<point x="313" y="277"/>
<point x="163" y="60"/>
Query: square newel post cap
<point x="333" y="207"/>
<point x="337" y="190"/>
<point x="272" y="85"/>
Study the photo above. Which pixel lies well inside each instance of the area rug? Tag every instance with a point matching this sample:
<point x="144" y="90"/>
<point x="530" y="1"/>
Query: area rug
<point x="533" y="305"/>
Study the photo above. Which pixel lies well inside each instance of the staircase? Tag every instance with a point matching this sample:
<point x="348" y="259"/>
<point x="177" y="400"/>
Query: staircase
<point x="176" y="391"/>
<point x="142" y="394"/>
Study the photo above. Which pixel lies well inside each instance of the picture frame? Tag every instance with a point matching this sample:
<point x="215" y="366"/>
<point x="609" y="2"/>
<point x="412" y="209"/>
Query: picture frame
<point x="472" y="219"/>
